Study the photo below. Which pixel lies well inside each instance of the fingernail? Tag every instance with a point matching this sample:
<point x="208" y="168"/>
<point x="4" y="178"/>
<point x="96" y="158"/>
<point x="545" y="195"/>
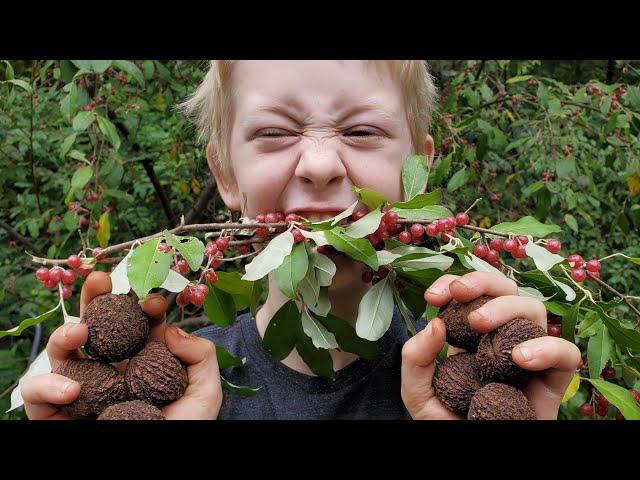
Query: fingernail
<point x="480" y="314"/>
<point x="463" y="281"/>
<point x="428" y="330"/>
<point x="435" y="291"/>
<point x="67" y="385"/>
<point x="66" y="328"/>
<point x="525" y="353"/>
<point x="182" y="333"/>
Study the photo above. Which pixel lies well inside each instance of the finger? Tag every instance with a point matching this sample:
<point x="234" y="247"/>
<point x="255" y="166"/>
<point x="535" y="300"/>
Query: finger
<point x="65" y="341"/>
<point x="204" y="392"/>
<point x="438" y="293"/>
<point x="502" y="309"/>
<point x="474" y="284"/>
<point x="42" y="392"/>
<point x="97" y="283"/>
<point x="155" y="305"/>
<point x="419" y="355"/>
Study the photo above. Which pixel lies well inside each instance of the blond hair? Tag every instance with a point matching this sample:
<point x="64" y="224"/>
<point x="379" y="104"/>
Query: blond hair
<point x="210" y="104"/>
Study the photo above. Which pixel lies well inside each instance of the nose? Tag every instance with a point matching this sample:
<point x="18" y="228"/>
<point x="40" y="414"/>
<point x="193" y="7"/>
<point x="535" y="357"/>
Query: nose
<point x="320" y="166"/>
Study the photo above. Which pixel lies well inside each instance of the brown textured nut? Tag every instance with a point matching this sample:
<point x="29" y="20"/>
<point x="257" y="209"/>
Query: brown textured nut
<point x="459" y="332"/>
<point x="118" y="328"/>
<point x="494" y="351"/>
<point x="101" y="386"/>
<point x="456" y="380"/>
<point x="155" y="375"/>
<point x="132" y="410"/>
<point x="497" y="401"/>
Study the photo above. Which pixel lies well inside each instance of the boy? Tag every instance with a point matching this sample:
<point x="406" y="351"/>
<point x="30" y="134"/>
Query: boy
<point x="294" y="136"/>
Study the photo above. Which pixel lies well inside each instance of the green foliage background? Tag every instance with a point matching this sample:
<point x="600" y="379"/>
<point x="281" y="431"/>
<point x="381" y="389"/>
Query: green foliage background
<point x="557" y="140"/>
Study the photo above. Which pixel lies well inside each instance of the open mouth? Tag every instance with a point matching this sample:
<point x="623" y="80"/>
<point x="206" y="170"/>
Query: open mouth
<point x="315" y="216"/>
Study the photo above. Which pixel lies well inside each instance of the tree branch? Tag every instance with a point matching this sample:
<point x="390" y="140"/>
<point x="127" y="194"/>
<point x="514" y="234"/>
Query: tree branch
<point x="20" y="238"/>
<point x="206" y="194"/>
<point x="162" y="196"/>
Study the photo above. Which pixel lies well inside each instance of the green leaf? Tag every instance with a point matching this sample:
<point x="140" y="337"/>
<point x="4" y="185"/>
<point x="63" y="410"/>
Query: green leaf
<point x="527" y="226"/>
<point x="599" y="352"/>
<point x="270" y="258"/>
<point x="67" y="144"/>
<point x="219" y="307"/>
<point x="69" y="197"/>
<point x="281" y="334"/>
<point x="518" y="79"/>
<point x="572" y="388"/>
<point x="82" y="64"/>
<point x="439" y="261"/>
<point x="624" y="337"/>
<point x="191" y="248"/>
<point x="415" y="175"/>
<point x="421" y="200"/>
<point x="633" y="96"/>
<point x="375" y="311"/>
<point x="111" y="173"/>
<point x="309" y="288"/>
<point x="130" y="68"/>
<point x="246" y="391"/>
<point x="104" y="230"/>
<point x="366" y="225"/>
<point x="618" y="397"/>
<point x="605" y="106"/>
<point x="82" y="120"/>
<point x="292" y="270"/>
<point x="566" y="167"/>
<point x="320" y="336"/>
<point x="231" y="282"/>
<point x="533" y="188"/>
<point x="324" y="267"/>
<point x="226" y="360"/>
<point x="369" y="197"/>
<point x="431" y="212"/>
<point x="571" y="221"/>
<point x="20" y="83"/>
<point x="81" y="177"/>
<point x="357" y="248"/>
<point x="109" y="131"/>
<point x="99" y="66"/>
<point x="77" y="155"/>
<point x="543" y="258"/>
<point x="569" y="323"/>
<point x="317" y="359"/>
<point x="590" y="325"/>
<point x="458" y="180"/>
<point x="70" y="221"/>
<point x="348" y="340"/>
<point x="147" y="267"/>
<point x="29" y="322"/>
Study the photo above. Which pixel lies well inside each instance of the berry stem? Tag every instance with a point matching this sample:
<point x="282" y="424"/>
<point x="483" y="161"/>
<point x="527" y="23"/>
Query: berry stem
<point x="624" y="298"/>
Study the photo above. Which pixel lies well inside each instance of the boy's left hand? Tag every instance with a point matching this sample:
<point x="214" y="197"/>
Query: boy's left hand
<point x="557" y="357"/>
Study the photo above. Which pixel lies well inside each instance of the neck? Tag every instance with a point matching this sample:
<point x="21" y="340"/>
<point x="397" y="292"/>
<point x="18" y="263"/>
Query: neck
<point x="344" y="304"/>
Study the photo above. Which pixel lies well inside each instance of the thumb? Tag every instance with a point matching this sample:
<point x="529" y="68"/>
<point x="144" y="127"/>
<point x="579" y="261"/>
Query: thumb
<point x="199" y="354"/>
<point x="418" y="365"/>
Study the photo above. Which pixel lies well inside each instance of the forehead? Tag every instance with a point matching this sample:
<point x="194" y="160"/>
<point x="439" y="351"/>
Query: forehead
<point x="312" y="85"/>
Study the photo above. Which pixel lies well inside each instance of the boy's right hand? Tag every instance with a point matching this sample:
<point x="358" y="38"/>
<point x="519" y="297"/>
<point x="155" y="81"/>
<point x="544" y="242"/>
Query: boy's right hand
<point x="43" y="394"/>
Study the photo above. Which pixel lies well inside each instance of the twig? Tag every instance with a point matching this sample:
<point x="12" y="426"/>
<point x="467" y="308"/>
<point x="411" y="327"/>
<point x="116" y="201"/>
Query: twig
<point x="193" y="322"/>
<point x="624" y="298"/>
<point x="162" y="196"/>
<point x="206" y="194"/>
<point x="20" y="238"/>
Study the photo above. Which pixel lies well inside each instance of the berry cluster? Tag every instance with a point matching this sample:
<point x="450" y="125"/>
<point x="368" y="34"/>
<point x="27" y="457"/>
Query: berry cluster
<point x="194" y="294"/>
<point x="580" y="267"/>
<point x="51" y="277"/>
<point x="443" y="227"/>
<point x="516" y="246"/>
<point x="277" y="217"/>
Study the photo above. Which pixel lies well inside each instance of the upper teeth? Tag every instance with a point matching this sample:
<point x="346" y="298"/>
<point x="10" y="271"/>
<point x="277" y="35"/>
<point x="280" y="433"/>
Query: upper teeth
<point x="316" y="217"/>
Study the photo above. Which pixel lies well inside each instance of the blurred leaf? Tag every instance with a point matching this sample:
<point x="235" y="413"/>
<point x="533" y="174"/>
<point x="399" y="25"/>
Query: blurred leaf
<point x="245" y="391"/>
<point x="458" y="180"/>
<point x="104" y="230"/>
<point x="415" y="175"/>
<point x="81" y="177"/>
<point x="281" y="334"/>
<point x="369" y="197"/>
<point x="82" y="120"/>
<point x="348" y="340"/>
<point x="572" y="388"/>
<point x="375" y="311"/>
<point x="130" y="68"/>
<point x="109" y="131"/>
<point x="527" y="226"/>
<point x="599" y="352"/>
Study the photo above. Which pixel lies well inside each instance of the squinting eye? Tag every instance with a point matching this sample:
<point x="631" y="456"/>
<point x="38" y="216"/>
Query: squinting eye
<point x="360" y="132"/>
<point x="273" y="133"/>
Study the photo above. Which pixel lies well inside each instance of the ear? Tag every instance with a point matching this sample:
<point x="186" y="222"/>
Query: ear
<point x="429" y="150"/>
<point x="227" y="187"/>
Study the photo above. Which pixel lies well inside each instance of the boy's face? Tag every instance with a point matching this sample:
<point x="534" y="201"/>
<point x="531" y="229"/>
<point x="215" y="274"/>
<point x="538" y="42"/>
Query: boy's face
<point x="305" y="132"/>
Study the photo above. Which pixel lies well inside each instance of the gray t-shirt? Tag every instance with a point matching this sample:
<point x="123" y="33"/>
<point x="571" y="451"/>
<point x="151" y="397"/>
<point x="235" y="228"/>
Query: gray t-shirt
<point x="364" y="389"/>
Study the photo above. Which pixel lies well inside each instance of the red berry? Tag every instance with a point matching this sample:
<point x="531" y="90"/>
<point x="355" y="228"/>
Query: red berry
<point x="279" y="216"/>
<point x="69" y="276"/>
<point x="164" y="248"/>
<point x="74" y="206"/>
<point x="602" y="401"/>
<point x="554" y="246"/>
<point x="404" y="237"/>
<point x="202" y="288"/>
<point x="91" y="197"/>
<point x="96" y="251"/>
<point x="42" y="274"/>
<point x="367" y="276"/>
<point x="594" y="274"/>
<point x="619" y="416"/>
<point x="182" y="299"/>
<point x="417" y="230"/>
<point x="554" y="330"/>
<point x="222" y="243"/>
<point x="216" y="263"/>
<point x="74" y="261"/>
<point x="212" y="276"/>
<point x="492" y="256"/>
<point x="578" y="274"/>
<point x="67" y="291"/>
<point x="495" y="264"/>
<point x="292" y="217"/>
<point x="608" y="373"/>
<point x="496" y="244"/>
<point x="601" y="410"/>
<point x="431" y="229"/>
<point x="197" y="298"/>
<point x="50" y="284"/>
<point x="84" y="272"/>
<point x="243" y="249"/>
<point x="523" y="240"/>
<point x="262" y="232"/>
<point x="575" y="260"/>
<point x="270" y="218"/>
<point x="260" y="218"/>
<point x="447" y="236"/>
<point x="55" y="274"/>
<point x="210" y="249"/>
<point x="521" y="252"/>
<point x="636" y="395"/>
<point x="462" y="219"/>
<point x="593" y="265"/>
<point x="442" y="225"/>
<point x="298" y="236"/>
<point x="390" y="218"/>
<point x="183" y="266"/>
<point x="83" y="222"/>
<point x="510" y="245"/>
<point x="450" y="223"/>
<point x="383" y="272"/>
<point x="95" y="226"/>
<point x="480" y="251"/>
<point x="586" y="410"/>
<point x="357" y="215"/>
